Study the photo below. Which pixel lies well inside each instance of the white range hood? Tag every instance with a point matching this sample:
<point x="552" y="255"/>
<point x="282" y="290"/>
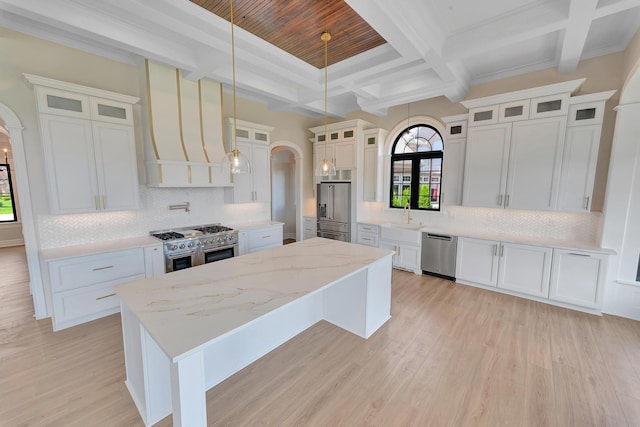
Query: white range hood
<point x="184" y="133"/>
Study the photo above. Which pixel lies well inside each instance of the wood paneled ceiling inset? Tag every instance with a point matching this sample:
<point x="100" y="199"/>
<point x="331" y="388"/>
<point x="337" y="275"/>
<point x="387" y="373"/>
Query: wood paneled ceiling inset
<point x="295" y="26"/>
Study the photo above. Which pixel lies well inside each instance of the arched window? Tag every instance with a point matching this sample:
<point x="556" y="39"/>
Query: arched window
<point x="416" y="168"/>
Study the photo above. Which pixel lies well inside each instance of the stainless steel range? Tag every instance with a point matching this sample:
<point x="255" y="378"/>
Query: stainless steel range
<point x="191" y="246"/>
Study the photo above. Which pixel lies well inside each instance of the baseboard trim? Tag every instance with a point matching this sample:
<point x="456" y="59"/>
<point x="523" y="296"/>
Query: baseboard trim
<point x="9" y="243"/>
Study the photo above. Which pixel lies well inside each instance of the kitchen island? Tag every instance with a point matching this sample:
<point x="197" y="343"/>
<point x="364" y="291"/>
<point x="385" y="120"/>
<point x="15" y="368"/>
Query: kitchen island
<point x="186" y="331"/>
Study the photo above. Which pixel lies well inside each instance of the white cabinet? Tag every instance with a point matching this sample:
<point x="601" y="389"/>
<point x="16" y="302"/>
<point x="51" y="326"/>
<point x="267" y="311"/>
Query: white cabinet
<point x="454" y="151"/>
<point x="83" y="287"/>
<point x="344" y="140"/>
<point x="310" y="227"/>
<point x="368" y="235"/>
<point x="524" y="268"/>
<point x="260" y="238"/>
<point x="580" y="156"/>
<point x="253" y="142"/>
<point x="578" y="278"/>
<point x="88" y="149"/>
<point x="514" y="165"/>
<point x="154" y="260"/>
<point x="406" y="244"/>
<point x="486" y="162"/>
<point x="511" y="266"/>
<point x="371" y="174"/>
<point x="344" y="155"/>
<point x="535" y="158"/>
<point x="477" y="261"/>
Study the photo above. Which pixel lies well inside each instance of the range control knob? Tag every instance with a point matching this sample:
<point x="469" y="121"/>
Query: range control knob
<point x="173" y="247"/>
<point x="191" y="244"/>
<point x="182" y="246"/>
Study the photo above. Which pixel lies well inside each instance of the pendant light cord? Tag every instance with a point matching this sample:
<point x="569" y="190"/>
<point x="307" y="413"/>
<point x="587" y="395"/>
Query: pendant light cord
<point x="326" y="37"/>
<point x="233" y="79"/>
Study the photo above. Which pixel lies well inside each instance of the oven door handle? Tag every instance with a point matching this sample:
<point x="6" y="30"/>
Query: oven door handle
<point x="181" y="254"/>
<point x="218" y="248"/>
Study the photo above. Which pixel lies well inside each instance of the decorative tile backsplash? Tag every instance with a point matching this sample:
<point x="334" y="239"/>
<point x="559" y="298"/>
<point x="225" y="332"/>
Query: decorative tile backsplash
<point x="206" y="206"/>
<point x="585" y="227"/>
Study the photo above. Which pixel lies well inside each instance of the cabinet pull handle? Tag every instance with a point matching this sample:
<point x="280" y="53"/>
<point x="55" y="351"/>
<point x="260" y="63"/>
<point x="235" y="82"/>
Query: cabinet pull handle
<point x="500" y="200"/>
<point x="583" y="255"/>
<point x="266" y="237"/>
<point x="105" y="296"/>
<point x="103" y="268"/>
<point x="501" y="251"/>
<point x="104" y="202"/>
<point x="96" y="202"/>
<point x="506" y="203"/>
<point x="586" y="203"/>
<point x="495" y="250"/>
<point x="366" y="238"/>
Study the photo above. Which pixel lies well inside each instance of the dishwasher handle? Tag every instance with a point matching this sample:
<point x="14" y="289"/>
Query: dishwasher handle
<point x="439" y="237"/>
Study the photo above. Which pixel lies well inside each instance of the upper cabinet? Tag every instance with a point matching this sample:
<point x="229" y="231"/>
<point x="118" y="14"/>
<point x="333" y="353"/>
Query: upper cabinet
<point x="533" y="149"/>
<point x="184" y="144"/>
<point x="371" y="174"/>
<point x="253" y="141"/>
<point x="88" y="147"/>
<point x="581" y="151"/>
<point x="454" y="151"/>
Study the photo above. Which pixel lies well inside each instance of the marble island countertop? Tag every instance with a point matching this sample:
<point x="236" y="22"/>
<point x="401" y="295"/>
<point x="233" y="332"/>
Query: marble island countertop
<point x="503" y="237"/>
<point x="189" y="308"/>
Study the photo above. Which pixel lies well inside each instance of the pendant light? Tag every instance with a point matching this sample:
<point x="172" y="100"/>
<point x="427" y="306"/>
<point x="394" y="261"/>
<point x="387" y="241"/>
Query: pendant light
<point x="234" y="161"/>
<point x="326" y="168"/>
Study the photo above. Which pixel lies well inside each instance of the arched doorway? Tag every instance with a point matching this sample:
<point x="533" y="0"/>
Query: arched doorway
<point x="14" y="128"/>
<point x="286" y="187"/>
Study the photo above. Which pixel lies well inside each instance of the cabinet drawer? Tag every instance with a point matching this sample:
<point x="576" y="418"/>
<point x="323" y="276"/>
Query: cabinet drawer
<point x="82" y="305"/>
<point x="367" y="228"/>
<point x="93" y="269"/>
<point x="367" y="239"/>
<point x="271" y="236"/>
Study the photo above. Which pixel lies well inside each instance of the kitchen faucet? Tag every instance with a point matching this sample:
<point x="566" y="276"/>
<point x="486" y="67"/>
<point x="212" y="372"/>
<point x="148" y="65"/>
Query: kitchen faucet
<point x="407" y="210"/>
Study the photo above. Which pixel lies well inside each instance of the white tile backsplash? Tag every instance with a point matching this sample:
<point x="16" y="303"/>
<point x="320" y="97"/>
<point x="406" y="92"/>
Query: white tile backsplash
<point x="584" y="227"/>
<point x="206" y="206"/>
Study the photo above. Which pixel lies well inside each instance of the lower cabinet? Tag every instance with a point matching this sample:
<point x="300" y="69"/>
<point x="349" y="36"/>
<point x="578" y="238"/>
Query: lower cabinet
<point x="83" y="287"/>
<point x="260" y="238"/>
<point x="309" y="227"/>
<point x="368" y="235"/>
<point x="512" y="266"/>
<point x="406" y="245"/>
<point x="524" y="268"/>
<point x="578" y="277"/>
<point x="557" y="275"/>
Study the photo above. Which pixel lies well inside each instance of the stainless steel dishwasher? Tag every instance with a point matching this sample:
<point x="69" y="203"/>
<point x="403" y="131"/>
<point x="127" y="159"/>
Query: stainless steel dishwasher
<point x="439" y="255"/>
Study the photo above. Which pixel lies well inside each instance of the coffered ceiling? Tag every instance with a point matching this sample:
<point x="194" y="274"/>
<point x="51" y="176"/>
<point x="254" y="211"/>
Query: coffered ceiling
<point x="398" y="52"/>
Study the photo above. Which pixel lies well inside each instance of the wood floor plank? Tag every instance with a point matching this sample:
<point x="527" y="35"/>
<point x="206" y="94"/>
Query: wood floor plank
<point x="451" y="355"/>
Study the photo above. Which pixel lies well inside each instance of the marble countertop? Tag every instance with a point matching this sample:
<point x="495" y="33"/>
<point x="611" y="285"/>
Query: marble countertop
<point x="98" y="247"/>
<point x="189" y="308"/>
<point x="503" y="237"/>
<point x="254" y="225"/>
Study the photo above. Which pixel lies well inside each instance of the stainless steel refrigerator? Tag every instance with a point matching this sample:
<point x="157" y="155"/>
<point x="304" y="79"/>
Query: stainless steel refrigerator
<point x="334" y="210"/>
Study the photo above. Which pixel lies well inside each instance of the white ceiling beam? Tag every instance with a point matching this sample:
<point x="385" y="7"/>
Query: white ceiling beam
<point x="616" y="7"/>
<point x="506" y="30"/>
<point x="581" y="14"/>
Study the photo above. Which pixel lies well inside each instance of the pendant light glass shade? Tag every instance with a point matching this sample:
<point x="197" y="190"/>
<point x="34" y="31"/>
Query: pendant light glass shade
<point x="326" y="168"/>
<point x="234" y="161"/>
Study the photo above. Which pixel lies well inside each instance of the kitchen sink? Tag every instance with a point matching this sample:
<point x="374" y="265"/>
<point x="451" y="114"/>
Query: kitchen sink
<point x="407" y="233"/>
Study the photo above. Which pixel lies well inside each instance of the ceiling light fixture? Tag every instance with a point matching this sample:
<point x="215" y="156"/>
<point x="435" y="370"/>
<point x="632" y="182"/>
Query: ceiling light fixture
<point x="234" y="160"/>
<point x="326" y="168"/>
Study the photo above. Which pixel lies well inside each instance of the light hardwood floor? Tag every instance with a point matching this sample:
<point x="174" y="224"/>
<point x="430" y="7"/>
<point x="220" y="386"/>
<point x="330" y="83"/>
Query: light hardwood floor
<point x="451" y="355"/>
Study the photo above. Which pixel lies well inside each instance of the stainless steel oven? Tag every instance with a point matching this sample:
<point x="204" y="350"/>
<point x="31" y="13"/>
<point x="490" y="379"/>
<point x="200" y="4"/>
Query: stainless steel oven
<point x="192" y="246"/>
<point x="218" y="254"/>
<point x="180" y="261"/>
